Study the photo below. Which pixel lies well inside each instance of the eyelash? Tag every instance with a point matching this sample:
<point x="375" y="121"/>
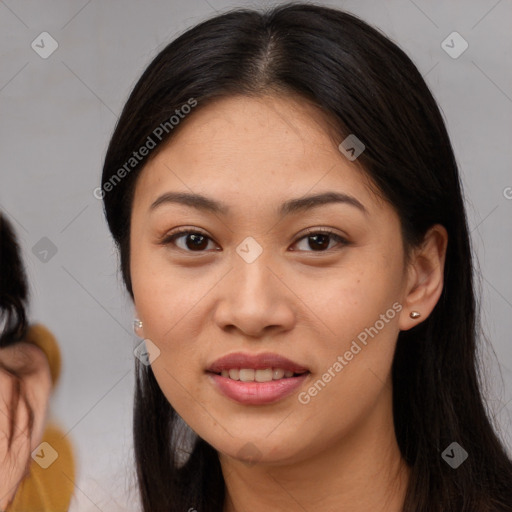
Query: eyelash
<point x="171" y="237"/>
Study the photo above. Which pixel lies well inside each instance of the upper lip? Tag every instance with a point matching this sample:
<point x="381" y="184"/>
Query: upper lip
<point x="255" y="361"/>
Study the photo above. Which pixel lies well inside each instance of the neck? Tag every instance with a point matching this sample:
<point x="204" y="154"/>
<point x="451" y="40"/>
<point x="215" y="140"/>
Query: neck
<point x="362" y="471"/>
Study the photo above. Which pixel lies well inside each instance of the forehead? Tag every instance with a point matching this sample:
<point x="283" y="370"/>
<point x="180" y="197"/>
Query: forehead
<point x="247" y="149"/>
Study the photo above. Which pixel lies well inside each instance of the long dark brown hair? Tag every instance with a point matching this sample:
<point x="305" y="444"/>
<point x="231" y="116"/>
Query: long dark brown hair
<point x="368" y="86"/>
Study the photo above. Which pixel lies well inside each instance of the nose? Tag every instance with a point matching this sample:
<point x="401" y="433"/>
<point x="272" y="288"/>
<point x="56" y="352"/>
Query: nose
<point x="255" y="300"/>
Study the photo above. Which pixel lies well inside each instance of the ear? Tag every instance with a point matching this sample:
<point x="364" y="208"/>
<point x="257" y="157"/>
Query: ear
<point x="425" y="277"/>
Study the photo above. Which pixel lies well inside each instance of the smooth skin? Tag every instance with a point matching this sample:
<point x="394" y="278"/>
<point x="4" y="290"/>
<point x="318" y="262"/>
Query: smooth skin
<point x="31" y="365"/>
<point x="303" y="298"/>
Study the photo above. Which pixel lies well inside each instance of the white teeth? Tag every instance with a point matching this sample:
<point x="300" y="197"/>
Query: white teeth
<point x="251" y="375"/>
<point x="278" y="373"/>
<point x="263" y="375"/>
<point x="247" y="374"/>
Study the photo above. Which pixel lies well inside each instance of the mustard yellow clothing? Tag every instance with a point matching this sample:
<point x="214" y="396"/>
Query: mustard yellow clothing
<point x="50" y="489"/>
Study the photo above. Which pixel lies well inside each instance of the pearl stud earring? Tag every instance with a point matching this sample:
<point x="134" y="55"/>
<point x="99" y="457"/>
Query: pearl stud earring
<point x="137" y="324"/>
<point x="414" y="314"/>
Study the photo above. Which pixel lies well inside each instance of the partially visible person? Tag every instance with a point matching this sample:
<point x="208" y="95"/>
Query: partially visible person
<point x="30" y="365"/>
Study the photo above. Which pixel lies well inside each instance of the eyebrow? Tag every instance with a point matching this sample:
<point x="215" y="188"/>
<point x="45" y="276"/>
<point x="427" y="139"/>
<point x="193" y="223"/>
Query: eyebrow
<point x="204" y="203"/>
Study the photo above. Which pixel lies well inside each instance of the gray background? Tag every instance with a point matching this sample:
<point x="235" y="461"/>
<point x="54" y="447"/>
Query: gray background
<point x="56" y="116"/>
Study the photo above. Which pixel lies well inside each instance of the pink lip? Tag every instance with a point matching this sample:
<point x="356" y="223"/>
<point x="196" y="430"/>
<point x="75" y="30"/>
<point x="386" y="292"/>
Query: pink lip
<point x="255" y="361"/>
<point x="257" y="393"/>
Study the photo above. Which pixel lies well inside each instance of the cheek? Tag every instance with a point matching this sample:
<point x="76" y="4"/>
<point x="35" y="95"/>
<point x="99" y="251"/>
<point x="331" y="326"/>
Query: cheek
<point x="357" y="295"/>
<point x="168" y="301"/>
<point x="361" y="313"/>
<point x="161" y="297"/>
<point x="166" y="307"/>
<point x="358" y="314"/>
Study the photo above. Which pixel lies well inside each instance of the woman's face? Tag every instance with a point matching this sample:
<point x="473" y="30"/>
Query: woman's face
<point x="256" y="276"/>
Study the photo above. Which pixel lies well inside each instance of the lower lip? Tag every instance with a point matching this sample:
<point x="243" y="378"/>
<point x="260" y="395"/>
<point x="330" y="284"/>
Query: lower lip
<point x="257" y="393"/>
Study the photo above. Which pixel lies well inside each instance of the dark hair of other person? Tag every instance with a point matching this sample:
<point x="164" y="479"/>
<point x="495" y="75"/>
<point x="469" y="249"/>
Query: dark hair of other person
<point x="13" y="313"/>
<point x="369" y="87"/>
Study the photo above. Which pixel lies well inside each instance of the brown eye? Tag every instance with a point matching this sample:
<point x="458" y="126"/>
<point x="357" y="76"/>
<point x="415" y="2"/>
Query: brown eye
<point x="193" y="241"/>
<point x="319" y="241"/>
